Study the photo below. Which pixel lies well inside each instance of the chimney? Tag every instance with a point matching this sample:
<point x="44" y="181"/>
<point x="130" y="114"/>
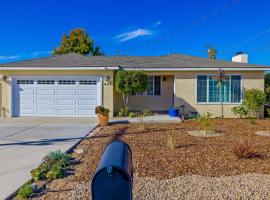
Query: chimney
<point x="240" y="57"/>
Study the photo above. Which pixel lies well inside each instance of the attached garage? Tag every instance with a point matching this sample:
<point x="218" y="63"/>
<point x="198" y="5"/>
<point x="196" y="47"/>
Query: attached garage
<point x="56" y="96"/>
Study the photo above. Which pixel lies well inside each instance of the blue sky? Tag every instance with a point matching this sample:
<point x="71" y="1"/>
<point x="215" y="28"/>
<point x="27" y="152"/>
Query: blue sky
<point x="33" y="28"/>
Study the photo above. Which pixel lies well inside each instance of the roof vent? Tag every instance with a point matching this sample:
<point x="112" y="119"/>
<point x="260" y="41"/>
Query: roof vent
<point x="240" y="57"/>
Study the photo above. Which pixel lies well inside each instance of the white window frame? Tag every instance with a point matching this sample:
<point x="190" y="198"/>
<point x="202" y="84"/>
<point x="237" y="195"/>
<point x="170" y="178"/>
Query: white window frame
<point x="153" y="95"/>
<point x="207" y="90"/>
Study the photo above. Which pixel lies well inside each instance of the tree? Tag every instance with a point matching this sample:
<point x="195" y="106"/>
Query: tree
<point x="130" y="82"/>
<point x="267" y="86"/>
<point x="78" y="41"/>
<point x="220" y="78"/>
<point x="212" y="53"/>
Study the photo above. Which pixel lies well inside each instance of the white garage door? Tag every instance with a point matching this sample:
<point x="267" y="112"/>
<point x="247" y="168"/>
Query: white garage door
<point x="56" y="96"/>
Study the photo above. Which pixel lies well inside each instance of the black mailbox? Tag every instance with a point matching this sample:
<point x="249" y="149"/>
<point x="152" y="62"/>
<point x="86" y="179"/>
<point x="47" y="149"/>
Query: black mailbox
<point x="113" y="178"/>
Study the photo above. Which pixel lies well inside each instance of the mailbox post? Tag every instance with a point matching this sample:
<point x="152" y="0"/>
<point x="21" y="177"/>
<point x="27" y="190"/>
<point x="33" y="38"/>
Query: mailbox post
<point x="113" y="177"/>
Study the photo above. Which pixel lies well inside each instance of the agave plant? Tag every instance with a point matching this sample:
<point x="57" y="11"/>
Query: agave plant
<point x="220" y="77"/>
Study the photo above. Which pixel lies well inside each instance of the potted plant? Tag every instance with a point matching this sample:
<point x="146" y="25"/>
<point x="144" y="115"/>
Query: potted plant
<point x="103" y="115"/>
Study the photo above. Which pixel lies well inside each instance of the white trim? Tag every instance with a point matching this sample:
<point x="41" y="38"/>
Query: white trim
<point x="59" y="68"/>
<point x="207" y="91"/>
<point x="139" y="68"/>
<point x="11" y="97"/>
<point x="199" y="69"/>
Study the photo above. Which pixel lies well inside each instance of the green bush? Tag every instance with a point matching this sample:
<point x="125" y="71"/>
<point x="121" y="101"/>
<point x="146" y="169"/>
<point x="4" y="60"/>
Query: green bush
<point x="252" y="104"/>
<point x="240" y="111"/>
<point x="132" y="114"/>
<point x="25" y="192"/>
<point x="49" y="163"/>
<point x="101" y="110"/>
<point x="59" y="157"/>
<point x="253" y="101"/>
<point x="40" y="172"/>
<point x="55" y="172"/>
<point x="147" y="112"/>
<point x="205" y="121"/>
<point x="123" y="112"/>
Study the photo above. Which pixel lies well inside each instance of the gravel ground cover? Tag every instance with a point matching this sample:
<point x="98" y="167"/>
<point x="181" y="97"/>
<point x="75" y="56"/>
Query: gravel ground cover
<point x="198" y="167"/>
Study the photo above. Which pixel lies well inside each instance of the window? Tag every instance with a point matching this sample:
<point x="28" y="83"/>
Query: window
<point x="25" y="82"/>
<point x="47" y="82"/>
<point x="83" y="82"/>
<point x="153" y="86"/>
<point x="208" y="90"/>
<point x="66" y="82"/>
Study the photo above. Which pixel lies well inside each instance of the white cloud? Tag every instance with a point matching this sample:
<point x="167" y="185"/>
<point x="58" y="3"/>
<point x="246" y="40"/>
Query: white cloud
<point x="123" y="37"/>
<point x="158" y="23"/>
<point x="9" y="57"/>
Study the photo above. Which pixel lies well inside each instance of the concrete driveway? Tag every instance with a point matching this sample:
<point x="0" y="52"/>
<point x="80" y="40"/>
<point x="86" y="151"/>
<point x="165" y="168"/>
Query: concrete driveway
<point x="24" y="141"/>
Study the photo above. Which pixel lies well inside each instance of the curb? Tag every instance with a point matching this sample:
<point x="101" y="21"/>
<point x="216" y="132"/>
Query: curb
<point x="68" y="151"/>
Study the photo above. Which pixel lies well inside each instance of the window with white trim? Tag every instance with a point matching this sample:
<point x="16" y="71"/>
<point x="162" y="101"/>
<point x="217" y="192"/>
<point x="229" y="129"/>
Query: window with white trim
<point x="153" y="86"/>
<point x="209" y="92"/>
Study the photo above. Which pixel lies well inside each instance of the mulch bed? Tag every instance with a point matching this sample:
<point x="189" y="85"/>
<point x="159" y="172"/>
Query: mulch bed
<point x="211" y="157"/>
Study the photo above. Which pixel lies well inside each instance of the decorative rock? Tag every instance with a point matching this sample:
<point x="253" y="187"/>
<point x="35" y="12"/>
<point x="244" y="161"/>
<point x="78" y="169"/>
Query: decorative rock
<point x="201" y="133"/>
<point x="79" y="151"/>
<point x="263" y="133"/>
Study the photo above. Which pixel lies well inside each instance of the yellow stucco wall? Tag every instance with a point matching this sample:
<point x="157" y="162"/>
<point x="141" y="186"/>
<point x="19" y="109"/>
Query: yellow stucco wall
<point x="6" y="86"/>
<point x="185" y="91"/>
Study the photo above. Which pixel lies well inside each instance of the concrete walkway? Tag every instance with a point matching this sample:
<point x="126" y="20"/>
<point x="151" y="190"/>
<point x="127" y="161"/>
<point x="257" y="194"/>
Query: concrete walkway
<point x="25" y="141"/>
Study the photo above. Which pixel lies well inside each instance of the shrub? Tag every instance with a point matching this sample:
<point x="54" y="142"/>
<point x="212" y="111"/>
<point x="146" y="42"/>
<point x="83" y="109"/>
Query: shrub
<point x="240" y="111"/>
<point x="253" y="101"/>
<point x="102" y="110"/>
<point x="40" y="172"/>
<point x="171" y="140"/>
<point x="57" y="157"/>
<point x="147" y="112"/>
<point x="205" y="121"/>
<point x="25" y="192"/>
<point x="55" y="172"/>
<point x="268" y="112"/>
<point x="241" y="148"/>
<point x="123" y="112"/>
<point x="133" y="114"/>
<point x="52" y="159"/>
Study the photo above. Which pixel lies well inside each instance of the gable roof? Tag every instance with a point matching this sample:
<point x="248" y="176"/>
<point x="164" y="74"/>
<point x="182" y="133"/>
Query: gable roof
<point x="173" y="61"/>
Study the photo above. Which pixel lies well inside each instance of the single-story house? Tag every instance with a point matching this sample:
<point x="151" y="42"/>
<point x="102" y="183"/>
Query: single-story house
<point x="72" y="85"/>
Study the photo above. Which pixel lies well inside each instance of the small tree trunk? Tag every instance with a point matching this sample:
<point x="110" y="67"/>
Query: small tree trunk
<point x="126" y="99"/>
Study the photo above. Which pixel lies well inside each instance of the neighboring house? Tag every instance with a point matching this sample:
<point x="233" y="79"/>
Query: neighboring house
<point x="72" y="85"/>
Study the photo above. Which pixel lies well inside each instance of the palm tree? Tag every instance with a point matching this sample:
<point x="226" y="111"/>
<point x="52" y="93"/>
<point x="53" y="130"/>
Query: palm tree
<point x="220" y="78"/>
<point x="212" y="53"/>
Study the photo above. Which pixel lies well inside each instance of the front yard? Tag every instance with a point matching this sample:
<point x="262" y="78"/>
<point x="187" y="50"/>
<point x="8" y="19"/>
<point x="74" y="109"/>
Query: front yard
<point x="198" y="167"/>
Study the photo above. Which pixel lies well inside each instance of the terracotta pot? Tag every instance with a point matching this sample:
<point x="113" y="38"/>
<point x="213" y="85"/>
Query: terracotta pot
<point x="103" y="119"/>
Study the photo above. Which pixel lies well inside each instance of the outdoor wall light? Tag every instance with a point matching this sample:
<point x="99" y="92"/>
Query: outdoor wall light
<point x="107" y="80"/>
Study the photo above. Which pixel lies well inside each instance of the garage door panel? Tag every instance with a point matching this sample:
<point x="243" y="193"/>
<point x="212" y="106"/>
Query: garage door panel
<point x="45" y="111"/>
<point x="66" y="112"/>
<point x="66" y="102"/>
<point x="45" y="92"/>
<point x="26" y="91"/>
<point x="87" y="92"/>
<point x="87" y="102"/>
<point x="86" y="112"/>
<point x="26" y="111"/>
<point x="45" y="101"/>
<point x="56" y="97"/>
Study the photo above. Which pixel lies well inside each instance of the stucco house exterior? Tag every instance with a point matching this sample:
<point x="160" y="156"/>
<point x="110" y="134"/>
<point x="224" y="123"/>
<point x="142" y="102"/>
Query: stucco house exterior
<point x="72" y="85"/>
